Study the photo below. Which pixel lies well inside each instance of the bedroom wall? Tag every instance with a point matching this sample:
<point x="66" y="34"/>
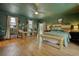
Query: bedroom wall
<point x="72" y="18"/>
<point x="67" y="19"/>
<point x="3" y="19"/>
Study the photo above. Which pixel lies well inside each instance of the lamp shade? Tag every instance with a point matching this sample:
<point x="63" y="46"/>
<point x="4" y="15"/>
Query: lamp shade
<point x="75" y="27"/>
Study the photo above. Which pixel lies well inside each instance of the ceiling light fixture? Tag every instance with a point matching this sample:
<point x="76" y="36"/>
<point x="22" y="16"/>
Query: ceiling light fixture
<point x="36" y="12"/>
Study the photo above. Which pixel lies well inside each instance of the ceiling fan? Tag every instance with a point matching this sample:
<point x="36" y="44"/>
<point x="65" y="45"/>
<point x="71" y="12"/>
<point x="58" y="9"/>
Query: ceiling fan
<point x="37" y="10"/>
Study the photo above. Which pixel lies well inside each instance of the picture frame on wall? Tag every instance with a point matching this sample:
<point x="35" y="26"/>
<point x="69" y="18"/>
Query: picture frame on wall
<point x="60" y="20"/>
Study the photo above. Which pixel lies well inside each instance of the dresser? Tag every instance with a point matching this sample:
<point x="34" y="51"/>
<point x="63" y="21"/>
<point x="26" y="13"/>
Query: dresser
<point x="74" y="36"/>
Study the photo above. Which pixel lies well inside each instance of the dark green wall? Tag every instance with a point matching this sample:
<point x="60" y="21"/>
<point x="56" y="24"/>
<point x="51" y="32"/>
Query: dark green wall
<point x="72" y="18"/>
<point x="67" y="19"/>
<point x="3" y="19"/>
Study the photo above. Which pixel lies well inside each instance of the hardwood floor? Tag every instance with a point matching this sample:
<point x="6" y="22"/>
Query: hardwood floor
<point x="29" y="47"/>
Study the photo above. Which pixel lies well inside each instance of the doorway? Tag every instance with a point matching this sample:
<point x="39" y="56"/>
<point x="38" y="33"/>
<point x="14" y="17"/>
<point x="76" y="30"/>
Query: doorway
<point x="12" y="27"/>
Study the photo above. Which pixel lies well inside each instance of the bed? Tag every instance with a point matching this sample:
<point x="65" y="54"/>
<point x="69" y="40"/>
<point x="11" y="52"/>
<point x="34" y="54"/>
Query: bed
<point x="57" y="34"/>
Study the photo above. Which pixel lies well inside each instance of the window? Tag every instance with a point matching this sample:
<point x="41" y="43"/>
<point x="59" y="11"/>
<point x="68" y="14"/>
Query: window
<point x="12" y="22"/>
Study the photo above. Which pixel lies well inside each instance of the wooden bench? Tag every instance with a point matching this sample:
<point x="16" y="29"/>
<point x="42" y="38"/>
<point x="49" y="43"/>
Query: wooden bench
<point x="54" y="37"/>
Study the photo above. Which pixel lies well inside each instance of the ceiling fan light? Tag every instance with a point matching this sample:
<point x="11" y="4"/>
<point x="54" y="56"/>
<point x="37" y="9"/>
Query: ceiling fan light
<point x="36" y="13"/>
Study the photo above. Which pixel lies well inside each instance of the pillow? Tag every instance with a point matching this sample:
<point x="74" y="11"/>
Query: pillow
<point x="57" y="28"/>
